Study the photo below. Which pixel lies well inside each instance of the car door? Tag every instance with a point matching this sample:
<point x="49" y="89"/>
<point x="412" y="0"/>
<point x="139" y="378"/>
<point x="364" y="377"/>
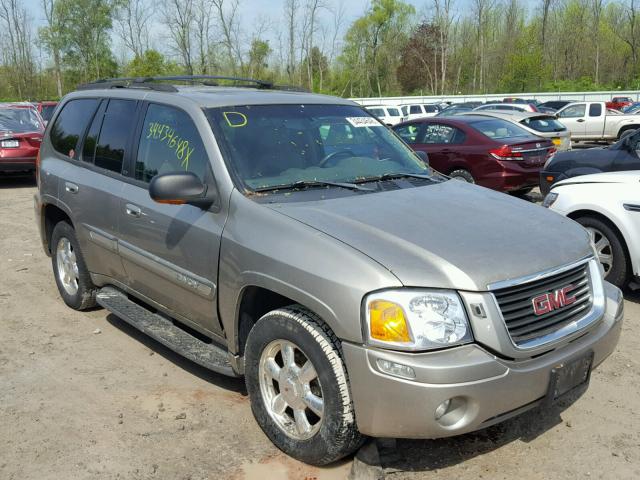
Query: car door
<point x="442" y="143"/>
<point x="594" y="123"/>
<point x="573" y="117"/>
<point x="170" y="252"/>
<point x="91" y="192"/>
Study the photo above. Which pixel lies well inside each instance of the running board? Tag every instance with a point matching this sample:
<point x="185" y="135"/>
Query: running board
<point x="164" y="331"/>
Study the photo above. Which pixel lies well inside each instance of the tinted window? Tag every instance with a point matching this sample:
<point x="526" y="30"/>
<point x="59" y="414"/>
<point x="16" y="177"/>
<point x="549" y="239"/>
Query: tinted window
<point x="71" y="124"/>
<point x="47" y="112"/>
<point x="499" y="129"/>
<point x="430" y="108"/>
<point x="438" y="133"/>
<point x="114" y="135"/>
<point x="393" y="112"/>
<point x="378" y="112"/>
<point x="574" y="111"/>
<point x="170" y="142"/>
<point x="544" y="124"/>
<point x="405" y="110"/>
<point x="276" y="145"/>
<point x="595" y="110"/>
<point x="415" y="109"/>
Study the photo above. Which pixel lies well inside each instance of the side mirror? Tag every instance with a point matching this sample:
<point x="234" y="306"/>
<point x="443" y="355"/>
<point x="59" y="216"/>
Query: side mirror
<point x="179" y="188"/>
<point x="423" y="156"/>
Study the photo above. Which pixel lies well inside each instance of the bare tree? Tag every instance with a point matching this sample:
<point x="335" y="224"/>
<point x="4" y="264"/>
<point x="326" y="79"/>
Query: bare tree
<point x="291" y="14"/>
<point x="443" y="20"/>
<point x="53" y="39"/>
<point x="17" y="36"/>
<point x="179" y="18"/>
<point x="202" y="21"/>
<point x="132" y="25"/>
<point x="596" y="6"/>
<point x="229" y="24"/>
<point x="481" y="11"/>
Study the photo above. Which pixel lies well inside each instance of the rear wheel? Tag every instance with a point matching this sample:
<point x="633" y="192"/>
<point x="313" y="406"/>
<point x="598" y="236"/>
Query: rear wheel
<point x="71" y="274"/>
<point x="463" y="175"/>
<point x="298" y="386"/>
<point x="610" y="248"/>
<point x="626" y="133"/>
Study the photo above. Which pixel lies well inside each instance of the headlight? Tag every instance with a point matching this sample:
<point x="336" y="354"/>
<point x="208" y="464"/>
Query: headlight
<point x="416" y="319"/>
<point x="549" y="199"/>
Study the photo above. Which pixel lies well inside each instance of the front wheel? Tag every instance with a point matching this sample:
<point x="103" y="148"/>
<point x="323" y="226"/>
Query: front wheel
<point x="610" y="248"/>
<point x="298" y="386"/>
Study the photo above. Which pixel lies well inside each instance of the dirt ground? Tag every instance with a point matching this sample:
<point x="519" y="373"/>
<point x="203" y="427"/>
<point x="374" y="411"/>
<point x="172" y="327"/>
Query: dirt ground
<point x="84" y="396"/>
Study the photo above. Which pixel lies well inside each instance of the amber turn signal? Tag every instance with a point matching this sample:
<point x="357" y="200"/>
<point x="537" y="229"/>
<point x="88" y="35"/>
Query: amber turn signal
<point x="387" y="322"/>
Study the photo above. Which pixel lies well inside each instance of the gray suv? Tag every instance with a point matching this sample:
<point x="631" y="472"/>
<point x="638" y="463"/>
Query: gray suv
<point x="293" y="239"/>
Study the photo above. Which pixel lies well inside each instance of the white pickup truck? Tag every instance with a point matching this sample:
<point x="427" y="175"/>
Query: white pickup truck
<point x="592" y="121"/>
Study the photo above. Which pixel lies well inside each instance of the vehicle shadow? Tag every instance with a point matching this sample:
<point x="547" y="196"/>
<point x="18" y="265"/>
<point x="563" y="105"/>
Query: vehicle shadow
<point x="17" y="181"/>
<point x="631" y="295"/>
<point x="431" y="455"/>
<point x="232" y="384"/>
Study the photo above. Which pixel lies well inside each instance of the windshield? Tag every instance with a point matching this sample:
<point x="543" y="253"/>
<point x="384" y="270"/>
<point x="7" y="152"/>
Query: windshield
<point x="498" y="129"/>
<point x="19" y="120"/>
<point x="272" y="145"/>
<point x="544" y="124"/>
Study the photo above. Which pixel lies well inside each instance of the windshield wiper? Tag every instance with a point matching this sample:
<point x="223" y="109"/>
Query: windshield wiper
<point x="313" y="183"/>
<point x="392" y="176"/>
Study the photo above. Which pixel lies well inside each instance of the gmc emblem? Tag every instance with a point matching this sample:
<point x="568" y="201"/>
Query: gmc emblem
<point x="548" y="302"/>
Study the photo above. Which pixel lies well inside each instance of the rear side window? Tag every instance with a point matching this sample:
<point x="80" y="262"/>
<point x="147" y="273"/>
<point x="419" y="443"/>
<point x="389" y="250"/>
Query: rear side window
<point x="71" y="124"/>
<point x="544" y="124"/>
<point x="595" y="110"/>
<point x="430" y="109"/>
<point x="114" y="135"/>
<point x="439" y="133"/>
<point x="415" y="109"/>
<point x="170" y="142"/>
<point x="393" y="112"/>
<point x="378" y="112"/>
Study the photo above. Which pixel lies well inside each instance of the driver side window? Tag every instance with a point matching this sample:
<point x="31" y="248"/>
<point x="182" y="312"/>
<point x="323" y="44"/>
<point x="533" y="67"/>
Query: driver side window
<point x="574" y="111"/>
<point x="169" y="142"/>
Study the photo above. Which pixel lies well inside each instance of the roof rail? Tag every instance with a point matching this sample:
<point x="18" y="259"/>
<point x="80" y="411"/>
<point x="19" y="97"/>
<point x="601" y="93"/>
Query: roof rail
<point x="151" y="83"/>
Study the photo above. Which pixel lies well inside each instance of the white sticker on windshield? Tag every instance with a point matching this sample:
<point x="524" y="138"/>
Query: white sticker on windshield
<point x="363" y="122"/>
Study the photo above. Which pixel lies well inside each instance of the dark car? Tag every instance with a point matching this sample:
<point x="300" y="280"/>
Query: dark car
<point x="621" y="156"/>
<point x="46" y="110"/>
<point x="458" y="108"/>
<point x="21" y="129"/>
<point x="553" y="105"/>
<point x="491" y="152"/>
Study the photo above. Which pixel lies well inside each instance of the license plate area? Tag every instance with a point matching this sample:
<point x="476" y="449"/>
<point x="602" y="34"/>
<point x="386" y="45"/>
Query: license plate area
<point x="569" y="376"/>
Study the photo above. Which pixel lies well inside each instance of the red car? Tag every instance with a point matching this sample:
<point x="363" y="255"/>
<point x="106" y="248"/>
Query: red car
<point x="491" y="152"/>
<point x="21" y="129"/>
<point x="618" y="103"/>
<point x="46" y="109"/>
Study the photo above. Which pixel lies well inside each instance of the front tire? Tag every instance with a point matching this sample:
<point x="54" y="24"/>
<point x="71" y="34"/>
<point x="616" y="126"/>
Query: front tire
<point x="609" y="245"/>
<point x="298" y="386"/>
<point x="71" y="274"/>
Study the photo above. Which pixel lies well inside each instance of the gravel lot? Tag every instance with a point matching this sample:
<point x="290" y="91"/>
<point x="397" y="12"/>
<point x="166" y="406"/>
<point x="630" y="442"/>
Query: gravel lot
<point x="84" y="396"/>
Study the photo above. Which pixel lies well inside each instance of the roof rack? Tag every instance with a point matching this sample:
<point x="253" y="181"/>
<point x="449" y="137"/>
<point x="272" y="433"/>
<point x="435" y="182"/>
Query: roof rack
<point x="152" y="83"/>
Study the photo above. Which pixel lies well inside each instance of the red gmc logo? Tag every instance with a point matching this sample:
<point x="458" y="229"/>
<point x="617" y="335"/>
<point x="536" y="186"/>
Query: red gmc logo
<point x="548" y="302"/>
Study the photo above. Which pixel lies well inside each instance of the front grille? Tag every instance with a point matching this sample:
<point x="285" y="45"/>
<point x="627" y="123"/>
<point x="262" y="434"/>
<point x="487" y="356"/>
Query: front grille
<point x="516" y="304"/>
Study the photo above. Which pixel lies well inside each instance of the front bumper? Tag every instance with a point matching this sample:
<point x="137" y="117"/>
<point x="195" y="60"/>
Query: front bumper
<point x="487" y="389"/>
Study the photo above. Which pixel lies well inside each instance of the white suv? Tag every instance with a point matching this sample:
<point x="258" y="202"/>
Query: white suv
<point x="387" y="114"/>
<point x="419" y="110"/>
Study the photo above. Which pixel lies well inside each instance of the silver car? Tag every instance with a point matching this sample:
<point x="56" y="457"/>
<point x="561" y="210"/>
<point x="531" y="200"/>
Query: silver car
<point x="540" y="124"/>
<point x="293" y="239"/>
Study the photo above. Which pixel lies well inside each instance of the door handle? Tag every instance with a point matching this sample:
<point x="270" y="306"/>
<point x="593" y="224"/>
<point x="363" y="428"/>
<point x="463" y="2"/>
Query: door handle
<point x="580" y="120"/>
<point x="71" y="187"/>
<point x="133" y="211"/>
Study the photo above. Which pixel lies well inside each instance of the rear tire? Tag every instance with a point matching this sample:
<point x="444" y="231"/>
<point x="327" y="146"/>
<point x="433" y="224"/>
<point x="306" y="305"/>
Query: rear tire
<point x="626" y="133"/>
<point x="611" y="249"/>
<point x="69" y="270"/>
<point x="463" y="175"/>
<point x="309" y="416"/>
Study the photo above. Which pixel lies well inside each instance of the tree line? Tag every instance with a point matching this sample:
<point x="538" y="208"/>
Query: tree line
<point x="393" y="48"/>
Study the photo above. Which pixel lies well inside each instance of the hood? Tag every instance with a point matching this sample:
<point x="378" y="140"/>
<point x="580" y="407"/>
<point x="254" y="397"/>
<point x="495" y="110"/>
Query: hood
<point x="590" y="157"/>
<point x="447" y="235"/>
<point x="610" y="177"/>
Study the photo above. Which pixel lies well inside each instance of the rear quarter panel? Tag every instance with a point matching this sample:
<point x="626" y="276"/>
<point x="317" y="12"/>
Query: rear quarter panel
<point x="607" y="200"/>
